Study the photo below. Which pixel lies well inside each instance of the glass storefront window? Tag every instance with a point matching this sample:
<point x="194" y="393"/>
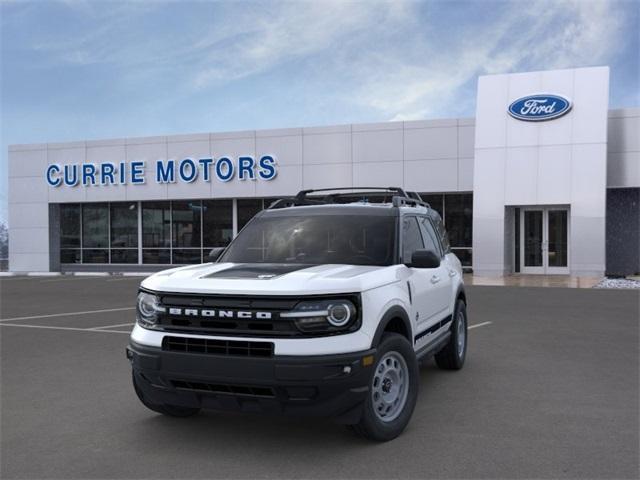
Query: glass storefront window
<point x="184" y="231"/>
<point x="95" y="225"/>
<point x="458" y="218"/>
<point x="435" y="201"/>
<point x="70" y="226"/>
<point x="247" y="208"/>
<point x="186" y="255"/>
<point x="70" y="256"/>
<point x="186" y="225"/>
<point x="456" y="211"/>
<point x="156" y="224"/>
<point x="124" y="225"/>
<point x="156" y="255"/>
<point x="95" y="256"/>
<point x="128" y="255"/>
<point x="464" y="255"/>
<point x="217" y="223"/>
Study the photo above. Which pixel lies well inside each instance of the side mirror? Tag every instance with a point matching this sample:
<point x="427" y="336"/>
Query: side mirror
<point x="424" y="259"/>
<point x="215" y="253"/>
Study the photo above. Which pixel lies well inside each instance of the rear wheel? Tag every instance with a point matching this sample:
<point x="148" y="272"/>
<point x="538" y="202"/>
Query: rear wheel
<point x="393" y="390"/>
<point x="169" y="410"/>
<point x="452" y="356"/>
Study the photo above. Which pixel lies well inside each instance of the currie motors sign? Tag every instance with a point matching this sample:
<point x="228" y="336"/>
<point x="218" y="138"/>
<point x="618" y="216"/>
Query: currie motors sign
<point x="188" y="170"/>
<point x="537" y="108"/>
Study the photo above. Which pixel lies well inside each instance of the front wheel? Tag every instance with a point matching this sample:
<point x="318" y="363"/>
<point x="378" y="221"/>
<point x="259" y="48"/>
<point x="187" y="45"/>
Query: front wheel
<point x="393" y="391"/>
<point x="452" y="356"/>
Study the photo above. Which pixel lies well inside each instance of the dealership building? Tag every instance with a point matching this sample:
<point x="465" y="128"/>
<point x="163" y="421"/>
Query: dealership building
<point x="544" y="180"/>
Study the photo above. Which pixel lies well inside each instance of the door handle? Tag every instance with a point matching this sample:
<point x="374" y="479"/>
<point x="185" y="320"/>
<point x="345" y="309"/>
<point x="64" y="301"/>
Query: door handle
<point x="435" y="279"/>
<point x="452" y="273"/>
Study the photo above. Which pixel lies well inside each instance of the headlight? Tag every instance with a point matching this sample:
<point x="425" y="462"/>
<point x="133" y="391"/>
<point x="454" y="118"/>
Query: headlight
<point x="323" y="316"/>
<point x="148" y="307"/>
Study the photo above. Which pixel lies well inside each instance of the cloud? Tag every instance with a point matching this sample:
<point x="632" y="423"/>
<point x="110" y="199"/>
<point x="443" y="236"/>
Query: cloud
<point x="539" y="35"/>
<point x="398" y="59"/>
<point x="288" y="32"/>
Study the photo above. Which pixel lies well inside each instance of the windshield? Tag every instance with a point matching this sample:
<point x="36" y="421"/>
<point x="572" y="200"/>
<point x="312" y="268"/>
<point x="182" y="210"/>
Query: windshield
<point x="316" y="239"/>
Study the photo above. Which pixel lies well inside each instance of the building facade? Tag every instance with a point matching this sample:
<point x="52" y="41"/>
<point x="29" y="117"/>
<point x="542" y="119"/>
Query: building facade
<point x="545" y="179"/>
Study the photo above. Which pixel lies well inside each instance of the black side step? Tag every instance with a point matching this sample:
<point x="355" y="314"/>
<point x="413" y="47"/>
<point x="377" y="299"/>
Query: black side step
<point x="434" y="346"/>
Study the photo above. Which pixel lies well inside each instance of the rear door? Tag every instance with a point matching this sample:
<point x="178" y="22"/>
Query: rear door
<point x="427" y="284"/>
<point x="440" y="280"/>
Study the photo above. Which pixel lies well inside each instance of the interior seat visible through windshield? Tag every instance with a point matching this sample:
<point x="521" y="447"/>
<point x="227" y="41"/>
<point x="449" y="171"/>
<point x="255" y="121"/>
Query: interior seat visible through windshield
<point x="316" y="239"/>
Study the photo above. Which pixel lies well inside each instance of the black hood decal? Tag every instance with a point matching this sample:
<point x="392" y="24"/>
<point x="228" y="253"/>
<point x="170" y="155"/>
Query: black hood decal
<point x="262" y="271"/>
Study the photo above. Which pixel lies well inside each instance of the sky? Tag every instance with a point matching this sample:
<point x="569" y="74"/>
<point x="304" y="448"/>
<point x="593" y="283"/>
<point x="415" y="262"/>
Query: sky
<point x="79" y="70"/>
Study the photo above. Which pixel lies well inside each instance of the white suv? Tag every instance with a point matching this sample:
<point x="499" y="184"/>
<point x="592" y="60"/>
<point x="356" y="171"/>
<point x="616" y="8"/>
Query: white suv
<point x="322" y="305"/>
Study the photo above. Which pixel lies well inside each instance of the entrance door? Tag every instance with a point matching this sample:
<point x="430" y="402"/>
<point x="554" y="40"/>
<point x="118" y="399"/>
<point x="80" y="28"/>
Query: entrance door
<point x="544" y="240"/>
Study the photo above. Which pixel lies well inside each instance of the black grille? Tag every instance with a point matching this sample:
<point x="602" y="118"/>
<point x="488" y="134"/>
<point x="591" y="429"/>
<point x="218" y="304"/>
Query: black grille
<point x="272" y="306"/>
<point x="218" y="347"/>
<point x="274" y="326"/>
<point x="247" y="390"/>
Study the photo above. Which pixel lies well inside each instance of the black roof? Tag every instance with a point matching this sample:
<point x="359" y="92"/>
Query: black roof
<point x="335" y="209"/>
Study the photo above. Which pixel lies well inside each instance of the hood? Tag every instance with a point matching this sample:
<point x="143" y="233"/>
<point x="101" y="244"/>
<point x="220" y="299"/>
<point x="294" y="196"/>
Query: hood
<point x="271" y="279"/>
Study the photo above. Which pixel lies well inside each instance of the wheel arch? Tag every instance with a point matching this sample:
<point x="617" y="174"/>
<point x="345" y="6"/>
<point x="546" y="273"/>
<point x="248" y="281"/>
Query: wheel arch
<point x="461" y="295"/>
<point x="395" y="320"/>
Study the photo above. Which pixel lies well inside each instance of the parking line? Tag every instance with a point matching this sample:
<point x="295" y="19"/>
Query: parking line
<point x="113" y="326"/>
<point x="69" y="314"/>
<point x="479" y="325"/>
<point x="62" y="328"/>
<point x="74" y="278"/>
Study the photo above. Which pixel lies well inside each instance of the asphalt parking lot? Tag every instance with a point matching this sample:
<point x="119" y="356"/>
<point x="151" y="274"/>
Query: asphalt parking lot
<point x="550" y="390"/>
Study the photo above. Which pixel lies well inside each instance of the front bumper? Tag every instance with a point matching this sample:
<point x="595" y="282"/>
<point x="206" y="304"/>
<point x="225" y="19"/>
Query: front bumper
<point x="324" y="385"/>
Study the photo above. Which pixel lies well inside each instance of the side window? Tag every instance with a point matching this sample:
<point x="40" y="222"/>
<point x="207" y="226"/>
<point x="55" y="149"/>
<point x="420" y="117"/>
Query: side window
<point x="442" y="233"/>
<point x="411" y="238"/>
<point x="429" y="235"/>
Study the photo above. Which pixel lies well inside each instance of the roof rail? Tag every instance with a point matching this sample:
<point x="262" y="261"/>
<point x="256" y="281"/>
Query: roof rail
<point x="399" y="197"/>
<point x="302" y="194"/>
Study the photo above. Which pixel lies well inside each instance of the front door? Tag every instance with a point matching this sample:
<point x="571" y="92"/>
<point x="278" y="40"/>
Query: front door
<point x="544" y="240"/>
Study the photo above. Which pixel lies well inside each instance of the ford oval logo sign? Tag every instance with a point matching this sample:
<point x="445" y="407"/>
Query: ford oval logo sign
<point x="536" y="108"/>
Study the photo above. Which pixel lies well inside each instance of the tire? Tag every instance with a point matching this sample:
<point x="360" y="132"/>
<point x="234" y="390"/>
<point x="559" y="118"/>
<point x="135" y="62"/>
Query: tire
<point x="164" y="409"/>
<point x="452" y="356"/>
<point x="395" y="377"/>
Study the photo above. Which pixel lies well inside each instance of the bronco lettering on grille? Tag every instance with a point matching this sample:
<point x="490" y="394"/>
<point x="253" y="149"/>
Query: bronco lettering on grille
<point x="194" y="312"/>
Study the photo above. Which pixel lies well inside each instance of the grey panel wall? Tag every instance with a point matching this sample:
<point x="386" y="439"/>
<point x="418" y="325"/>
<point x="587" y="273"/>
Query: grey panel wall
<point x="623" y="148"/>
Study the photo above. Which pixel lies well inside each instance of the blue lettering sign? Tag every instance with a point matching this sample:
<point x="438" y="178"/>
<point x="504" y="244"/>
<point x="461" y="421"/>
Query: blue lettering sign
<point x="189" y="174"/>
<point x="267" y="168"/>
<point x="166" y="171"/>
<point x="206" y="168"/>
<point x="137" y="173"/>
<point x="51" y="180"/>
<point x="69" y="179"/>
<point x="106" y="173"/>
<point x="165" y="174"/>
<point x="245" y="168"/>
<point x="224" y="169"/>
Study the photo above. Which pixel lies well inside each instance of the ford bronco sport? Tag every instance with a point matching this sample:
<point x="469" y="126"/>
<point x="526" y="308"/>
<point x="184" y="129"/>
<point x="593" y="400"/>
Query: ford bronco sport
<point x="322" y="305"/>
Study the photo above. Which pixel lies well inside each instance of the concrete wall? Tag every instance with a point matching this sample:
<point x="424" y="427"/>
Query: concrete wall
<point x="432" y="155"/>
<point x="557" y="162"/>
<point x="623" y="148"/>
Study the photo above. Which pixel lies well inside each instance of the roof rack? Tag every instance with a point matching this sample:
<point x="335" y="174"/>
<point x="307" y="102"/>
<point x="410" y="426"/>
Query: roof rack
<point x="399" y="197"/>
